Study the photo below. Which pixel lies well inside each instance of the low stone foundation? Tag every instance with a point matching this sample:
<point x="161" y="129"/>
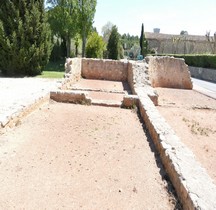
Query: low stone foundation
<point x="152" y="72"/>
<point x="81" y="97"/>
<point x="138" y="78"/>
<point x="67" y="96"/>
<point x="193" y="185"/>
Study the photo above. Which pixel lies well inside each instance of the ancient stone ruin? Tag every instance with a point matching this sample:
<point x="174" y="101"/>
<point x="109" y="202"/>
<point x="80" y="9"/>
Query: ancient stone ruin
<point x="129" y="84"/>
<point x="140" y="76"/>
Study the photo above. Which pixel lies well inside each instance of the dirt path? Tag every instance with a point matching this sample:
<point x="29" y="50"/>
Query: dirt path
<point x="66" y="156"/>
<point x="193" y="117"/>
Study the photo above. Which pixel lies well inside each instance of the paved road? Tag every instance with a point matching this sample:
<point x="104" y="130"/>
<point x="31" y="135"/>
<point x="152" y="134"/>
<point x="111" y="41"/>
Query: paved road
<point x="204" y="87"/>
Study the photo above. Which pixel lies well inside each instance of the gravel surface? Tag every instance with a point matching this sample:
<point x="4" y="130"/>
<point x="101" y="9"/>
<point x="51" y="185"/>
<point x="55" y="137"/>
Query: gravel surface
<point x="17" y="93"/>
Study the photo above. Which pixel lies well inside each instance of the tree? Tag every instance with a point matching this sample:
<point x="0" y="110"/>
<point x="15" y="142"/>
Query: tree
<point x="25" y="37"/>
<point x="143" y="42"/>
<point x="69" y="17"/>
<point x="85" y="16"/>
<point x="62" y="17"/>
<point x="183" y="32"/>
<point x="106" y="31"/>
<point x="211" y="41"/>
<point x="134" y="51"/>
<point x="95" y="46"/>
<point x="113" y="44"/>
<point x="76" y="39"/>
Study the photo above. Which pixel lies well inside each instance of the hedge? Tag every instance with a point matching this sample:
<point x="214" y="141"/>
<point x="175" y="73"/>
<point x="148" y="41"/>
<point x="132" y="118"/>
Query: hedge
<point x="197" y="60"/>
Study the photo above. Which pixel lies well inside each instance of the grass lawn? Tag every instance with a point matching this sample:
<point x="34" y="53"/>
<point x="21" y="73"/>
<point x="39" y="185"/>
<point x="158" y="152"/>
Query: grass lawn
<point x="53" y="70"/>
<point x="51" y="74"/>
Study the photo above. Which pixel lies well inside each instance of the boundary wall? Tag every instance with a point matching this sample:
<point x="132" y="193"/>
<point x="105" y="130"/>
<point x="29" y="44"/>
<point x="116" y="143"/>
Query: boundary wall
<point x="203" y="73"/>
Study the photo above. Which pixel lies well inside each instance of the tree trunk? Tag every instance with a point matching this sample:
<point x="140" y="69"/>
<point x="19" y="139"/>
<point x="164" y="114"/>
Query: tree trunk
<point x="83" y="43"/>
<point x="68" y="42"/>
<point x="76" y="50"/>
<point x="63" y="47"/>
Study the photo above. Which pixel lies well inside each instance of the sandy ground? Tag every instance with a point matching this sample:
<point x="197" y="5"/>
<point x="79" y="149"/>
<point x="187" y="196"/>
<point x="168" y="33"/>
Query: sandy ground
<point x="103" y="89"/>
<point x="66" y="156"/>
<point x="103" y="85"/>
<point x="193" y="117"/>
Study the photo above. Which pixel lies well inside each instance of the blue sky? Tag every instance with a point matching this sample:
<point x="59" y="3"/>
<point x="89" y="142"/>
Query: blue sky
<point x="171" y="16"/>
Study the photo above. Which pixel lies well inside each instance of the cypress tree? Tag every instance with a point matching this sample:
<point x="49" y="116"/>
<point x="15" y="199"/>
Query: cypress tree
<point x="25" y="37"/>
<point x="113" y="44"/>
<point x="143" y="42"/>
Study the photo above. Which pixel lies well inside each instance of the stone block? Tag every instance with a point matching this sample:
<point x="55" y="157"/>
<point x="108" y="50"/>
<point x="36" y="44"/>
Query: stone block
<point x="68" y="96"/>
<point x="168" y="72"/>
<point x="129" y="101"/>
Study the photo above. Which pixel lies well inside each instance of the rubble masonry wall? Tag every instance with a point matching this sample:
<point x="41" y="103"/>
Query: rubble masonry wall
<point x="168" y="72"/>
<point x="104" y="69"/>
<point x="73" y="67"/>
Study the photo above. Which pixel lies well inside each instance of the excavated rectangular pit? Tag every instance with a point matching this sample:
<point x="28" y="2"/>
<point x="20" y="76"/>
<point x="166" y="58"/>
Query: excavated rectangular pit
<point x="165" y="140"/>
<point x="103" y="92"/>
<point x="97" y="92"/>
<point x="67" y="156"/>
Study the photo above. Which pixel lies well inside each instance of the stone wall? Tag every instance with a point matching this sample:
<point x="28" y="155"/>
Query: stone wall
<point x="104" y="69"/>
<point x="73" y="68"/>
<point x="152" y="72"/>
<point x="138" y="79"/>
<point x="68" y="96"/>
<point x="203" y="73"/>
<point x="168" y="72"/>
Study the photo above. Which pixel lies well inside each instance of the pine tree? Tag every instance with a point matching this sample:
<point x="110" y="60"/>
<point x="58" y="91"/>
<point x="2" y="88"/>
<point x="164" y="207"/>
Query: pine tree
<point x="143" y="43"/>
<point x="25" y="38"/>
<point x="113" y="44"/>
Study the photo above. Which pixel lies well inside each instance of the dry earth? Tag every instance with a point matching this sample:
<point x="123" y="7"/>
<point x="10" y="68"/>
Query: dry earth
<point x="103" y="89"/>
<point x="193" y="117"/>
<point x="66" y="156"/>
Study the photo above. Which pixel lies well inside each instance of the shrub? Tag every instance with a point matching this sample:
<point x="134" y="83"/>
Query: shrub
<point x="95" y="46"/>
<point x="25" y="37"/>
